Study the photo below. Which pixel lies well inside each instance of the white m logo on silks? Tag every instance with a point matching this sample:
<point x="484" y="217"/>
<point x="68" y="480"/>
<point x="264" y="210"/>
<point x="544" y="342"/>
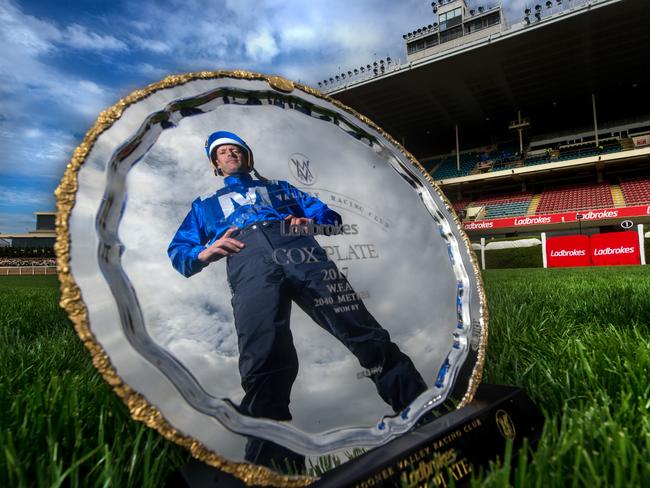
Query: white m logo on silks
<point x="257" y="195"/>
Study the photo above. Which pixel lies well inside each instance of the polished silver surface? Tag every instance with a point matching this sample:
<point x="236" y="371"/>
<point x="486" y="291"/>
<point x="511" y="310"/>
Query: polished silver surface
<point x="173" y="339"/>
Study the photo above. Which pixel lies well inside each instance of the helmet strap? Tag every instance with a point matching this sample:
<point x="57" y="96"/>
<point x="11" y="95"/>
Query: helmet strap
<point x="259" y="176"/>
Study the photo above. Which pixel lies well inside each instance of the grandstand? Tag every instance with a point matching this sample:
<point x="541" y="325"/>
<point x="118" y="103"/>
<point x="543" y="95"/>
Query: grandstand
<point x="540" y="123"/>
<point x="31" y="253"/>
<point x="498" y="206"/>
<point x="43" y="236"/>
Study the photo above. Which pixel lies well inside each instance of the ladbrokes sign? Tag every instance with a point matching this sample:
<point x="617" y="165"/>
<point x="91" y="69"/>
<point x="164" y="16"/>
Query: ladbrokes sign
<point x="559" y="218"/>
<point x="567" y="251"/>
<point x="614" y="248"/>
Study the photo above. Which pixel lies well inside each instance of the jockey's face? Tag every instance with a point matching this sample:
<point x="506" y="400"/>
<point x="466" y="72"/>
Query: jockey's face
<point x="231" y="159"/>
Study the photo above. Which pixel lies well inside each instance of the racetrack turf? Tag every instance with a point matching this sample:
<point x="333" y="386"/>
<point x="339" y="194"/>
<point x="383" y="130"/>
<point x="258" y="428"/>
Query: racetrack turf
<point x="577" y="340"/>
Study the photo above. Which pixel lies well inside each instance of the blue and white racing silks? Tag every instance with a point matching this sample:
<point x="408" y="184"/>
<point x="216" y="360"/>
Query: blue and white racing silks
<point x="242" y="202"/>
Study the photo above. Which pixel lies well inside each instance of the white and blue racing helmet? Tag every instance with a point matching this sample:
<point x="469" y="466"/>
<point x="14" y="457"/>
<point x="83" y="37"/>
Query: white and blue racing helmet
<point x="221" y="137"/>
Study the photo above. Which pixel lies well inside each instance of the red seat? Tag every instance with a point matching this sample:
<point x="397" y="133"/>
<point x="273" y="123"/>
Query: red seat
<point x="575" y="197"/>
<point x="636" y="191"/>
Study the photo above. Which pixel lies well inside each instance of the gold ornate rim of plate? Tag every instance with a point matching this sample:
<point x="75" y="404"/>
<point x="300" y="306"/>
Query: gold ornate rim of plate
<point x="72" y="301"/>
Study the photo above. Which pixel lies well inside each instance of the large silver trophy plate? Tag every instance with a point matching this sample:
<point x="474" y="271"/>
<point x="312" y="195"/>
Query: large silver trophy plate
<point x="385" y="318"/>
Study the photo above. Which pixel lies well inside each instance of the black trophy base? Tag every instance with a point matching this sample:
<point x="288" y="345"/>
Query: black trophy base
<point x="452" y="446"/>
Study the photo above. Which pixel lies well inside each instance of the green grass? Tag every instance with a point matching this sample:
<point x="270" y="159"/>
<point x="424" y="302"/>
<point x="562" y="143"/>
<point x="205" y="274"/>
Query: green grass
<point x="577" y="340"/>
<point x="515" y="257"/>
<point x="60" y="423"/>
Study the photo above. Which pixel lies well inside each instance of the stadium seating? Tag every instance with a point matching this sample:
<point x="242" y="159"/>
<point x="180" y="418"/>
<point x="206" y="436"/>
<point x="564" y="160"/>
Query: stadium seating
<point x="636" y="191"/>
<point x="509" y="205"/>
<point x="578" y="151"/>
<point x="447" y="168"/>
<point x="460" y="205"/>
<point x="576" y="197"/>
<point x="507" y="157"/>
<point x="561" y="199"/>
<point x="509" y="209"/>
<point x="503" y="157"/>
<point x="540" y="159"/>
<point x="610" y="145"/>
<point x="575" y="152"/>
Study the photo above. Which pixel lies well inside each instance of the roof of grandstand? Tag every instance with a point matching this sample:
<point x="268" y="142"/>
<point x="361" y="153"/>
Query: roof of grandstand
<point x="547" y="69"/>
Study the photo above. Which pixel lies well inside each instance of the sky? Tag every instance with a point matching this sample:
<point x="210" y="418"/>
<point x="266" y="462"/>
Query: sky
<point x="63" y="62"/>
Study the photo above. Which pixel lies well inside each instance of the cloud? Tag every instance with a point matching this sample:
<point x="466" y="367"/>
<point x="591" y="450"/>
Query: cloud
<point x="25" y="197"/>
<point x="37" y="36"/>
<point x="308" y="39"/>
<point x="78" y="37"/>
<point x="28" y="82"/>
<point x="18" y="202"/>
<point x="152" y="45"/>
<point x="16" y="223"/>
<point x="302" y="40"/>
<point x="43" y="106"/>
<point x="35" y="151"/>
<point x="149" y="70"/>
<point x="55" y="150"/>
<point x="261" y="47"/>
<point x="33" y="133"/>
<point x="299" y="37"/>
<point x="27" y="33"/>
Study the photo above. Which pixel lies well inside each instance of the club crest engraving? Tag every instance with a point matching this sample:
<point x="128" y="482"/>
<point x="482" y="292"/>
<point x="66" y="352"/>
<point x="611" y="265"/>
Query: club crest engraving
<point x="301" y="169"/>
<point x="505" y="424"/>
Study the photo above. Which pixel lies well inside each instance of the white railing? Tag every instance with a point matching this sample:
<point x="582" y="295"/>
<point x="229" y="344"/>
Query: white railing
<point x="27" y="270"/>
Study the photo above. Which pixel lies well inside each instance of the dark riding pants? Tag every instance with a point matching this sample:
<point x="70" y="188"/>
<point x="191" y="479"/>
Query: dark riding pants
<point x="265" y="277"/>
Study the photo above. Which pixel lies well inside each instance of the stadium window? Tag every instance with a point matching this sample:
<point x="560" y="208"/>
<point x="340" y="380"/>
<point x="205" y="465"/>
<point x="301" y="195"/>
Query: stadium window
<point x="451" y="34"/>
<point x="450" y="19"/>
<point x="493" y="19"/>
<point x="422" y="44"/>
<point x="482" y="22"/>
<point x="430" y="41"/>
<point x="477" y="24"/>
